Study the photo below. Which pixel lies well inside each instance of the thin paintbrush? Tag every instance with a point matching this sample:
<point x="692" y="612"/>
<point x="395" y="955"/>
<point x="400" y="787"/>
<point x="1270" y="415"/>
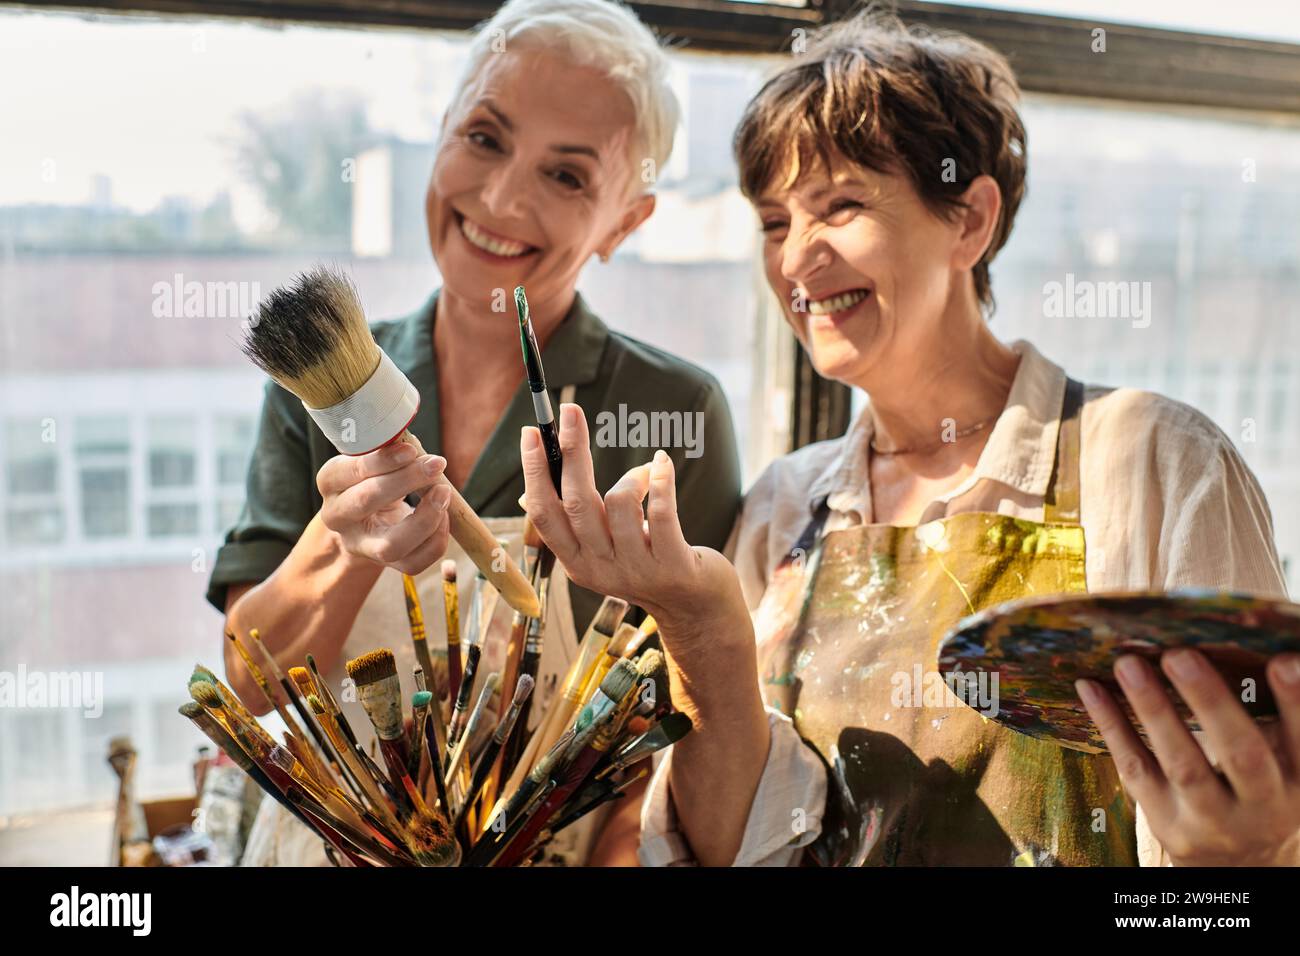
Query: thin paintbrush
<point x="487" y="759"/>
<point x="451" y="611"/>
<point x="537" y="386"/>
<point x="434" y="761"/>
<point x="289" y="690"/>
<point x="438" y="725"/>
<point x="415" y="617"/>
<point x="313" y="339"/>
<point x="514" y="654"/>
<point x="334" y="811"/>
<point x="306" y="688"/>
<point x="259" y="678"/>
<point x="415" y="750"/>
<point x="510" y="814"/>
<point x="599" y="633"/>
<point x="331" y="703"/>
<point x="462" y="746"/>
<point x="415" y="621"/>
<point x="218" y="734"/>
<point x="598" y="797"/>
<point x="530" y="661"/>
<point x="473" y="652"/>
<point x="663" y="734"/>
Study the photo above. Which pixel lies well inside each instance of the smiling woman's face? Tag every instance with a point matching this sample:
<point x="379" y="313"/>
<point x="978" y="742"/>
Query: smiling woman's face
<point x="532" y="177"/>
<point x="863" y="269"/>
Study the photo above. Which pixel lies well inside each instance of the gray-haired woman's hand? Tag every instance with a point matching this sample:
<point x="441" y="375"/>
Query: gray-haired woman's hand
<point x="610" y="546"/>
<point x="364" y="505"/>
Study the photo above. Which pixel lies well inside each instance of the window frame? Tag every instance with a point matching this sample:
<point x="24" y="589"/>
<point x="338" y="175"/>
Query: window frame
<point x="1143" y="64"/>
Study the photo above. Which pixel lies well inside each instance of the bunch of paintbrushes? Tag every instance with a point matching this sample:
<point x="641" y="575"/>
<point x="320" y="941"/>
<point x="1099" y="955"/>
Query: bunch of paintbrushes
<point x="458" y="778"/>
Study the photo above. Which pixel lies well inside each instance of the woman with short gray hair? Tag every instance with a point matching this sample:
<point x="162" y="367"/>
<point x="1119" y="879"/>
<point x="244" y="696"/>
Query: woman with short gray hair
<point x="545" y="159"/>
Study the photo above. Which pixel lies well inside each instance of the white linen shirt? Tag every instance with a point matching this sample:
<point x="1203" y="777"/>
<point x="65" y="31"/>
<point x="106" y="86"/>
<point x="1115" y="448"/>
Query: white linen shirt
<point x="1166" y="502"/>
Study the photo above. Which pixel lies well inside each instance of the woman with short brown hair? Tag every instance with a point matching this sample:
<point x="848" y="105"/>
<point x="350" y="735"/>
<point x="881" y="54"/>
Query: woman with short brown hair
<point x="886" y="166"/>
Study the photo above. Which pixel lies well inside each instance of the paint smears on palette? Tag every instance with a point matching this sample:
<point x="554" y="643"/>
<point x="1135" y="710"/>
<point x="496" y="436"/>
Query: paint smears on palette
<point x="1039" y="647"/>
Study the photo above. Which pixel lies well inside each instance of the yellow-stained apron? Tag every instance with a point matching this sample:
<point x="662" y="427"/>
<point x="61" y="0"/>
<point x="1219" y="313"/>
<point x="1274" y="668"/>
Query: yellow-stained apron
<point x="848" y="645"/>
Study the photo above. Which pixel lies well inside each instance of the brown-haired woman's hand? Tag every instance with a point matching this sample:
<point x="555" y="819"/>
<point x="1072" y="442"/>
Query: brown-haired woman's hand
<point x="1248" y="813"/>
<point x="611" y="546"/>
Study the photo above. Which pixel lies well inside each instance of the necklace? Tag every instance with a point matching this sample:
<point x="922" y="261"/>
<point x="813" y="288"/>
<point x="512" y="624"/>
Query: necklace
<point x="968" y="430"/>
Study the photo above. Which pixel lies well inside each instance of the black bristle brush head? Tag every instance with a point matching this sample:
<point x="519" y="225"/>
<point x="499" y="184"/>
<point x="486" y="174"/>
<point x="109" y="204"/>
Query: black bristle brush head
<point x="312" y="337"/>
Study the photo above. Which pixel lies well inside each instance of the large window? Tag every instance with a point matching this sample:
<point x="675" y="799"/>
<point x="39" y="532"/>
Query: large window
<point x="155" y="183"/>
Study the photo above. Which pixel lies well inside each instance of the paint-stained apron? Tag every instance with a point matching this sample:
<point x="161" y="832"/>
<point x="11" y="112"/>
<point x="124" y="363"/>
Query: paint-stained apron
<point x="848" y="648"/>
<point x="279" y="839"/>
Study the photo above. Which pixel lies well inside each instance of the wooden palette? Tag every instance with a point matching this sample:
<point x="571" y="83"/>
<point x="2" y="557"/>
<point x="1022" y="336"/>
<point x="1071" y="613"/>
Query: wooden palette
<point x="1038" y="647"/>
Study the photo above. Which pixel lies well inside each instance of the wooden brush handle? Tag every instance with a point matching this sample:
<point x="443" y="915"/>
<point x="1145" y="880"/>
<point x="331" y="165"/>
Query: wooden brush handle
<point x="473" y="535"/>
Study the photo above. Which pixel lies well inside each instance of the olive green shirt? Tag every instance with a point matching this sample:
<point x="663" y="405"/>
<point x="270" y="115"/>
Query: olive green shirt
<point x="608" y="369"/>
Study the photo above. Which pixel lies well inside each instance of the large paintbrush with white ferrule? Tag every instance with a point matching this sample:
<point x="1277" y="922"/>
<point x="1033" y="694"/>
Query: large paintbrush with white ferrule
<point x="313" y="339"/>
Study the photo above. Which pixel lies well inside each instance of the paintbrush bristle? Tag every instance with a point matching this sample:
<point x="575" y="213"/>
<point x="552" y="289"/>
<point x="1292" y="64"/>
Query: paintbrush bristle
<point x="312" y="337"/>
<point x="649" y="663"/>
<point x="373" y="666"/>
<point x="522" y="689"/>
<point x="449" y="570"/>
<point x="620" y="679"/>
<point x="610" y="616"/>
<point x="622" y="641"/>
<point x="206" y="694"/>
<point x="421" y="698"/>
<point x="675" y="726"/>
<point x="301" y="678"/>
<point x="191" y="709"/>
<point x="316" y="704"/>
<point x="430" y="839"/>
<point x="637" y="725"/>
